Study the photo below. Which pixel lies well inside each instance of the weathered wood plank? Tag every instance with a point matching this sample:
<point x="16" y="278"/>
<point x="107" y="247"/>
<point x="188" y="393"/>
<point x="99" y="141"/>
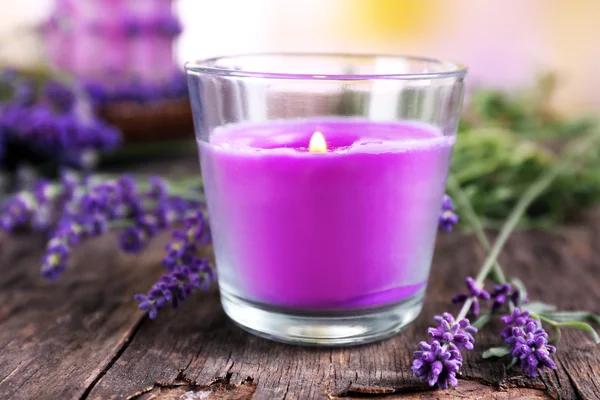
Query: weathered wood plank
<point x="83" y="337"/>
<point x="57" y="338"/>
<point x="197" y="349"/>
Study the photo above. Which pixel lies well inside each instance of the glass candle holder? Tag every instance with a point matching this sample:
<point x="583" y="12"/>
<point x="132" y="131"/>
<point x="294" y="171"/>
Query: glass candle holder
<point x="324" y="179"/>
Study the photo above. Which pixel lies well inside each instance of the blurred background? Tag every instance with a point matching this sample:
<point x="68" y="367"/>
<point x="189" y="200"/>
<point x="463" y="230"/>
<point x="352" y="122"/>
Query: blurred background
<point x="505" y="44"/>
<point x="85" y="83"/>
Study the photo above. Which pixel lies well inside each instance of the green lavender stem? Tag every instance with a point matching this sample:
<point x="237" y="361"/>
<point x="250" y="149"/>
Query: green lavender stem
<point x="467" y="211"/>
<point x="537" y="187"/>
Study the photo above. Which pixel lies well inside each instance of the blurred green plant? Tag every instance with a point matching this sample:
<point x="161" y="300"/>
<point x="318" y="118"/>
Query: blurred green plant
<point x="507" y="139"/>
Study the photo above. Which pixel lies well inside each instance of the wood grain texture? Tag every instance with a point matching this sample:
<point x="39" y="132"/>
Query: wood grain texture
<point x="56" y="338"/>
<point x="82" y="337"/>
<point x="198" y="348"/>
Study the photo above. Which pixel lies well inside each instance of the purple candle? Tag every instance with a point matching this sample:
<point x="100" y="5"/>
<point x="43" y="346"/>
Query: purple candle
<point x="324" y="177"/>
<point x="350" y="227"/>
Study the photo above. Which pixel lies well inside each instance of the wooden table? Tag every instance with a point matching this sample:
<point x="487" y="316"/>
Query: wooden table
<point x="83" y="337"/>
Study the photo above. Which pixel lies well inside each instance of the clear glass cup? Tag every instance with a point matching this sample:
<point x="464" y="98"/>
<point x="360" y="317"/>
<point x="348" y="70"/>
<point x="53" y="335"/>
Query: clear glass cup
<point x="324" y="178"/>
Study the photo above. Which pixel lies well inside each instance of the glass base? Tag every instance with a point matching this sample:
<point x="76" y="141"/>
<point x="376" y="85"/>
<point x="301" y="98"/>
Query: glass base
<point x="339" y="328"/>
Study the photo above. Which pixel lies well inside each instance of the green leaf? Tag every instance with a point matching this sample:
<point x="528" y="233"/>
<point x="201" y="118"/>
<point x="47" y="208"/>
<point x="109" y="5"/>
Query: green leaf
<point x="513" y="362"/>
<point x="584" y="327"/>
<point x="482" y="321"/>
<point x="500" y="351"/>
<point x="538" y="307"/>
<point x="567" y="316"/>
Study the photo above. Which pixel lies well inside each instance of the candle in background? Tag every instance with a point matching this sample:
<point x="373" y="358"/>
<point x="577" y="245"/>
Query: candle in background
<point x="324" y="178"/>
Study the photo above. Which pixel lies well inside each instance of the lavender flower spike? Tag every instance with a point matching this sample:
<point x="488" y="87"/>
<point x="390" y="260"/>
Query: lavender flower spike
<point x="448" y="217"/>
<point x="529" y="342"/>
<point x="459" y="333"/>
<point x="186" y="271"/>
<point x="439" y="360"/>
<point x="176" y="286"/>
<point x="475" y="292"/>
<point x="437" y="364"/>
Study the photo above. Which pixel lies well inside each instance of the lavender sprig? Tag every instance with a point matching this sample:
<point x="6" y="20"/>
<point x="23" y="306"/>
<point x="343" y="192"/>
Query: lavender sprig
<point x="475" y="293"/>
<point x="437" y="364"/>
<point x="186" y="271"/>
<point x="87" y="207"/>
<point x="528" y="342"/>
<point x="528" y="339"/>
<point x="449" y="331"/>
<point x="502" y="295"/>
<point x="475" y="286"/>
<point x="440" y="360"/>
<point x="84" y="208"/>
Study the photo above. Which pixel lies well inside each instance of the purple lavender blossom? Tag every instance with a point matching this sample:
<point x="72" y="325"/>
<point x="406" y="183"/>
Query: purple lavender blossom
<point x="84" y="208"/>
<point x="30" y="208"/>
<point x="475" y="292"/>
<point x="53" y="134"/>
<point x="70" y="232"/>
<point x="176" y="286"/>
<point x="44" y="191"/>
<point x="517" y="319"/>
<point x="528" y="341"/>
<point x="501" y="295"/>
<point x="24" y="93"/>
<point x="166" y="212"/>
<point x="437" y="364"/>
<point x="97" y="92"/>
<point x="439" y="360"/>
<point x="133" y="240"/>
<point x="55" y="259"/>
<point x="186" y="271"/>
<point x="448" y="218"/>
<point x="59" y="96"/>
<point x="159" y="188"/>
<point x="459" y="333"/>
<point x="44" y="121"/>
<point x="185" y="242"/>
<point x="17" y="211"/>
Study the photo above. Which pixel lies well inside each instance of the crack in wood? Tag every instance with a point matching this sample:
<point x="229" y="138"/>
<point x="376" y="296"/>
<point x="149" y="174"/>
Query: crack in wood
<point x="119" y="351"/>
<point x="181" y="385"/>
<point x="7" y="377"/>
<point x="287" y="389"/>
<point x="468" y="389"/>
<point x="594" y="382"/>
<point x="572" y="382"/>
<point x="25" y="381"/>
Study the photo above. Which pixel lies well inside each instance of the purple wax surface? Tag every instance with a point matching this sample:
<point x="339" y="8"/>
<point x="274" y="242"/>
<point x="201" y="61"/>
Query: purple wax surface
<point x="350" y="228"/>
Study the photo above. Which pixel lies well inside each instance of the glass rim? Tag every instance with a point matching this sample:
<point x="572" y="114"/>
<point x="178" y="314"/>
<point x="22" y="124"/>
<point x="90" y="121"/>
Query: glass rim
<point x="204" y="66"/>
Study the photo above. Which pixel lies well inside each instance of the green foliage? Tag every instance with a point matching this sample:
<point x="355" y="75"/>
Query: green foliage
<point x="507" y="140"/>
<point x="500" y="351"/>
